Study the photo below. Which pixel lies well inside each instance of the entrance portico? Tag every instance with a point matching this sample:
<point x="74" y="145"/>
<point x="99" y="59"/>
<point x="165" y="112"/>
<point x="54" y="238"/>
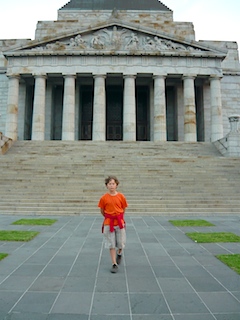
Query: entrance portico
<point x="109" y="107"/>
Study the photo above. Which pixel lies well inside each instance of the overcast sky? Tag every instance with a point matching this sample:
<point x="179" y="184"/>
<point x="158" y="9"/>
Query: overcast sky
<point x="212" y="19"/>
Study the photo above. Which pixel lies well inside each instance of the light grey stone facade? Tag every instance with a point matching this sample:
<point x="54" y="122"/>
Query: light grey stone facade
<point x="117" y="74"/>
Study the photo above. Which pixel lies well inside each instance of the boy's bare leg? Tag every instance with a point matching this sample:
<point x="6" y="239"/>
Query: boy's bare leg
<point x="119" y="256"/>
<point x="113" y="255"/>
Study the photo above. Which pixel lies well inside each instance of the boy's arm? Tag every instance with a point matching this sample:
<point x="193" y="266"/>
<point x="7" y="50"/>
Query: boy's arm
<point x="102" y="211"/>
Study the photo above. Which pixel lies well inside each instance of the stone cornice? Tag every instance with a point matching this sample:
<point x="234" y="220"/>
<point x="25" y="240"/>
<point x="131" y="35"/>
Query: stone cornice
<point x="117" y="53"/>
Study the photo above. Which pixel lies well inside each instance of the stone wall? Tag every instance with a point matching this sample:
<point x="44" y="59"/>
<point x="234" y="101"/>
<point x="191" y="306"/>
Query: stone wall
<point x="231" y="62"/>
<point x="73" y="20"/>
<point x="230" y="98"/>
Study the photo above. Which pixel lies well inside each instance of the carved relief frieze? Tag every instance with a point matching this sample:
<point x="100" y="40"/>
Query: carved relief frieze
<point x="174" y="61"/>
<point x="69" y="61"/>
<point x="189" y="62"/>
<point x="39" y="61"/>
<point x="54" y="61"/>
<point x="114" y="39"/>
<point x="144" y="61"/>
<point x="24" y="61"/>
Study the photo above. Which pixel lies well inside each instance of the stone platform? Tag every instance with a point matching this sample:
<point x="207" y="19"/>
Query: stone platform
<point x="64" y="273"/>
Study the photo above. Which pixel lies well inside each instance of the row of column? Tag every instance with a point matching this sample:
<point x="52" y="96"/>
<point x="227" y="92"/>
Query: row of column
<point x="129" y="108"/>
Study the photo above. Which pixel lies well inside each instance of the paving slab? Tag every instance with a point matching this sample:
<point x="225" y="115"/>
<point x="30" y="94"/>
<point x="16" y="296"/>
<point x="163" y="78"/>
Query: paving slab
<point x="64" y="273"/>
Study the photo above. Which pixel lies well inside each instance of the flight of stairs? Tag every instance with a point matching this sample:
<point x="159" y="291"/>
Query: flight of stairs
<point x="169" y="178"/>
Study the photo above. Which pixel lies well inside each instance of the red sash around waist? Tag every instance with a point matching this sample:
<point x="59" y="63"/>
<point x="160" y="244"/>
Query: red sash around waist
<point x="119" y="218"/>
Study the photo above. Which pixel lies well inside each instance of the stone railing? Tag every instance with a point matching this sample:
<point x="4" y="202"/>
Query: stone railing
<point x="5" y="143"/>
<point x="229" y="146"/>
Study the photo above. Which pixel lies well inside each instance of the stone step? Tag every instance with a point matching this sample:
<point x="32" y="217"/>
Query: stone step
<point x="57" y="177"/>
<point x="162" y="212"/>
<point x="147" y="201"/>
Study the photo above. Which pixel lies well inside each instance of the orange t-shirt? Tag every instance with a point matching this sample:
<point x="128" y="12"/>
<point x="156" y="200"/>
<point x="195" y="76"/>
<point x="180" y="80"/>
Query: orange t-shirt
<point x="113" y="204"/>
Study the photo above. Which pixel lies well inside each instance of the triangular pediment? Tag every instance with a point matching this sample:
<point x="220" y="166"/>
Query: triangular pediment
<point x="116" y="38"/>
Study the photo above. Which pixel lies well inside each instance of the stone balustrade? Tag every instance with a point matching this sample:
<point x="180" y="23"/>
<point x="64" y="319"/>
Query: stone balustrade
<point x="5" y="143"/>
<point x="229" y="146"/>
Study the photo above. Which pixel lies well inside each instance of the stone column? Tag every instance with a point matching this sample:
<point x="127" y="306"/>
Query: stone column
<point x="129" y="109"/>
<point x="190" y="127"/>
<point x="38" y="122"/>
<point x="68" y="119"/>
<point x="11" y="130"/>
<point x="216" y="109"/>
<point x="160" y="133"/>
<point x="99" y="108"/>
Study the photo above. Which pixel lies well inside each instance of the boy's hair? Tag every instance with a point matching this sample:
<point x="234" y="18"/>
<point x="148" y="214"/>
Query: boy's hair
<point x="111" y="178"/>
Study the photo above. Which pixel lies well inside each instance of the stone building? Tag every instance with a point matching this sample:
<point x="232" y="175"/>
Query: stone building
<point x="117" y="70"/>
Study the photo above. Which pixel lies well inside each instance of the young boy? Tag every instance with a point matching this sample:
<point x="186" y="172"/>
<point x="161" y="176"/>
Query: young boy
<point x="112" y="206"/>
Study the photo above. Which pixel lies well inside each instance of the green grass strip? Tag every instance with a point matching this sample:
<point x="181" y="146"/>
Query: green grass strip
<point x="3" y="255"/>
<point x="191" y="223"/>
<point x="35" y="222"/>
<point x="213" y="237"/>
<point x="231" y="260"/>
<point x="6" y="235"/>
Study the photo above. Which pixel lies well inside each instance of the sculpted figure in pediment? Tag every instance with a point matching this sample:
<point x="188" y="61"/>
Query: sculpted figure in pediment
<point x="114" y="37"/>
<point x="117" y="38"/>
<point x="133" y="42"/>
<point x="77" y="42"/>
<point x="97" y="43"/>
<point x="150" y="44"/>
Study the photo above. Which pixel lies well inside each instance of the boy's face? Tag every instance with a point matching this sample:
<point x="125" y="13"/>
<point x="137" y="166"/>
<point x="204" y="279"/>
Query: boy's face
<point x="112" y="186"/>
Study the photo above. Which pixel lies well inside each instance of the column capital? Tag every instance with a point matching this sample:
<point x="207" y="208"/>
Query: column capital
<point x="133" y="76"/>
<point x="189" y="76"/>
<point x="99" y="76"/>
<point x="40" y="75"/>
<point x="70" y="75"/>
<point x="13" y="75"/>
<point x="215" y="77"/>
<point x="159" y="76"/>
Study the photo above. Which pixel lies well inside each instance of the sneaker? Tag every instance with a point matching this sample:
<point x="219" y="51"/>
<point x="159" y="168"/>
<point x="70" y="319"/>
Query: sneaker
<point x="114" y="268"/>
<point x="119" y="258"/>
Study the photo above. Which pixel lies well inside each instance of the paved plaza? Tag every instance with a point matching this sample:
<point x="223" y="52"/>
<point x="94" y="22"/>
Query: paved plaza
<point x="64" y="273"/>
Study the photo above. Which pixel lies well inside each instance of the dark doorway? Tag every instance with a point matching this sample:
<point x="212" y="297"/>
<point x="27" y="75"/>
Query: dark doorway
<point x="114" y="102"/>
<point x="171" y="114"/>
<point x="57" y="112"/>
<point x="142" y="113"/>
<point x="28" y="112"/>
<point x="199" y="113"/>
<point x="86" y="112"/>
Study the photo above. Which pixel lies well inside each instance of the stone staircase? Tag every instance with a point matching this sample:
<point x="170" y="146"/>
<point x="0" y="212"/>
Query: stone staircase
<point x="169" y="178"/>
